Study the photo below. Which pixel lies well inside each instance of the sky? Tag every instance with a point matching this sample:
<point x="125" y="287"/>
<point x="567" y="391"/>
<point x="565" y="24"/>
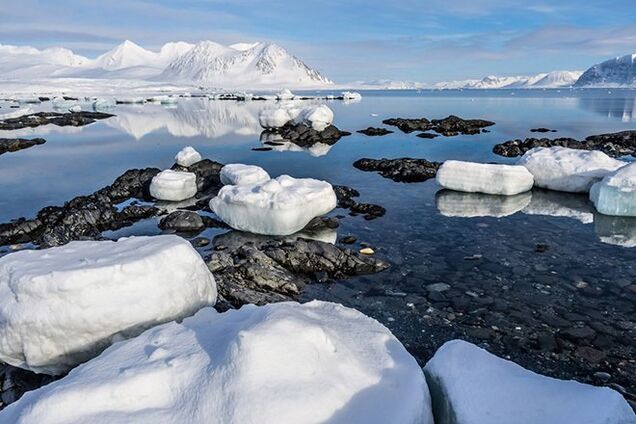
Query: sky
<point x="350" y="40"/>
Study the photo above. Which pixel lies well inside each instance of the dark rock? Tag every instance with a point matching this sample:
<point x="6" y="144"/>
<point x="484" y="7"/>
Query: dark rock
<point x="589" y="354"/>
<point x="450" y="126"/>
<point x="210" y="222"/>
<point x="578" y="333"/>
<point x="75" y="119"/>
<point x="259" y="269"/>
<point x="426" y="135"/>
<point x="614" y="144"/>
<point x="541" y="248"/>
<point x="262" y="149"/>
<point x="200" y="241"/>
<point x="409" y="125"/>
<point x="182" y="221"/>
<point x="15" y="144"/>
<point x="208" y="174"/>
<point x="369" y="210"/>
<point x="400" y="170"/>
<point x="348" y="240"/>
<point x="601" y="376"/>
<point x="304" y="136"/>
<point x="542" y="130"/>
<point x="373" y="132"/>
<point x="481" y="333"/>
<point x="345" y="196"/>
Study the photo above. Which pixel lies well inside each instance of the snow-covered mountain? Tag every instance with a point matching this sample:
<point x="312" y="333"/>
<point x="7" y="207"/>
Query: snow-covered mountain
<point x="620" y="71"/>
<point x="248" y="65"/>
<point x="554" y="79"/>
<point x="258" y="64"/>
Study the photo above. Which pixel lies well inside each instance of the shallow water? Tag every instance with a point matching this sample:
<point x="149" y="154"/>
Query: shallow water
<point x="484" y="247"/>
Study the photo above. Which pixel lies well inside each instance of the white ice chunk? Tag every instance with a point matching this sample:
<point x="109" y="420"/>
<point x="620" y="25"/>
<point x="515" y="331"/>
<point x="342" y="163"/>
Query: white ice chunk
<point x="103" y="104"/>
<point x="187" y="156"/>
<point x="173" y="185"/>
<point x="317" y="117"/>
<point x="281" y="206"/>
<point x="563" y="169"/>
<point x="285" y="94"/>
<point x="29" y="100"/>
<point x="484" y="178"/>
<point x="470" y="205"/>
<point x="273" y="118"/>
<point x="468" y="385"/>
<point x="63" y="305"/>
<point x="616" y="193"/>
<point x="16" y="113"/>
<point x="164" y="99"/>
<point x="351" y="95"/>
<point x="75" y="108"/>
<point x="239" y="174"/>
<point x="282" y="363"/>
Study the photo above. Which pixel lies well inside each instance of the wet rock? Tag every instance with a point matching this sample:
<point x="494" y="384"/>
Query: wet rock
<point x="601" y="376"/>
<point x="348" y="240"/>
<point x="542" y="130"/>
<point x="370" y="211"/>
<point x="373" y="132"/>
<point x="400" y="170"/>
<point x="75" y="119"/>
<point x="182" y="221"/>
<point x="450" y="126"/>
<point x="345" y="196"/>
<point x="613" y="144"/>
<point x="258" y="269"/>
<point x="409" y="125"/>
<point x="15" y="144"/>
<point x="304" y="136"/>
<point x="208" y="174"/>
<point x="200" y="241"/>
<point x="589" y="354"/>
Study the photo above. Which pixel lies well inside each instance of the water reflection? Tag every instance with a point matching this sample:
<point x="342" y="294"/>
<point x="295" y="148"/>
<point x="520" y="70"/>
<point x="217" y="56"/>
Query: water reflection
<point x="278" y="144"/>
<point x="623" y="109"/>
<point x="616" y="230"/>
<point x="470" y="205"/>
<point x="561" y="204"/>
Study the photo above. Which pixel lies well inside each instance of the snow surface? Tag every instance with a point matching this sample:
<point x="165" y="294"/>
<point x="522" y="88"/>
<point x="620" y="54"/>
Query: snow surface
<point x="616" y="193"/>
<point x="274" y="118"/>
<point x="240" y="174"/>
<point x="187" y="156"/>
<point x="282" y="363"/>
<point x="563" y="169"/>
<point x="468" y="385"/>
<point x="173" y="185"/>
<point x="484" y="178"/>
<point x="470" y="205"/>
<point x="63" y="305"/>
<point x="281" y="206"/>
<point x="317" y="117"/>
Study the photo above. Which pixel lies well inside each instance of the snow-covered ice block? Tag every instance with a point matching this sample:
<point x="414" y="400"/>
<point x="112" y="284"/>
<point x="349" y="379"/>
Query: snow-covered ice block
<point x="173" y="185"/>
<point x="281" y="206"/>
<point x="75" y="108"/>
<point x="274" y="118"/>
<point x="470" y="205"/>
<point x="16" y="113"/>
<point x="187" y="156"/>
<point x="351" y="96"/>
<point x="285" y="94"/>
<point x="563" y="169"/>
<point x="103" y="104"/>
<point x="560" y="204"/>
<point x="282" y="363"/>
<point x="239" y="174"/>
<point x="616" y="193"/>
<point x="63" y="305"/>
<point x="469" y="385"/>
<point x="484" y="178"/>
<point x="317" y="117"/>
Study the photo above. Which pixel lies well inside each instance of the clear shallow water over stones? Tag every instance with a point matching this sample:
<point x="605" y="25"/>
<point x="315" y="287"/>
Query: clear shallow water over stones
<point x="547" y="282"/>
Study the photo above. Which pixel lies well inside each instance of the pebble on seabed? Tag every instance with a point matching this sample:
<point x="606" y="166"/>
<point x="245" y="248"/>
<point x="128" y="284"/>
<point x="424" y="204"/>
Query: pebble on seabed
<point x="367" y="251"/>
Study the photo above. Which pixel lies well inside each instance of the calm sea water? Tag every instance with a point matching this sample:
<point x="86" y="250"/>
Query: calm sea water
<point x="426" y="235"/>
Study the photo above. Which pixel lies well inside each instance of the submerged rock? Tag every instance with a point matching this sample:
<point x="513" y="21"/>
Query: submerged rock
<point x="371" y="131"/>
<point x="614" y="144"/>
<point x="401" y="170"/>
<point x="182" y="221"/>
<point x="257" y="269"/>
<point x="75" y="119"/>
<point x="15" y="144"/>
<point x="450" y="126"/>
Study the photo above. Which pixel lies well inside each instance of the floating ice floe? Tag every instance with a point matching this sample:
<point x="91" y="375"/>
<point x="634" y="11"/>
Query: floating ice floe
<point x="274" y="118"/>
<point x="317" y="117"/>
<point x="187" y="156"/>
<point x="616" y="193"/>
<point x="351" y="96"/>
<point x="471" y="205"/>
<point x="285" y="94"/>
<point x="173" y="185"/>
<point x="468" y="385"/>
<point x="63" y="305"/>
<point x="281" y="206"/>
<point x="239" y="174"/>
<point x="484" y="178"/>
<point x="283" y="363"/>
<point x="103" y="104"/>
<point x="16" y="113"/>
<point x="563" y="169"/>
<point x="560" y="204"/>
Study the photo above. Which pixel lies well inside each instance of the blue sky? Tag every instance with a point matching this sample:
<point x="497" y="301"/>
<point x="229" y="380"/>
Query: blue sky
<point x="347" y="40"/>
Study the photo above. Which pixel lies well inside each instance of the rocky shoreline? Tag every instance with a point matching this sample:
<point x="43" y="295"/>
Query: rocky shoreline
<point x="73" y="119"/>
<point x="450" y="126"/>
<point x="16" y="144"/>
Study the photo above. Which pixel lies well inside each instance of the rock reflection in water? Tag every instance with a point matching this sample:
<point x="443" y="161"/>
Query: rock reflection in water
<point x="278" y="144"/>
<point x="471" y="205"/>
<point x="560" y="204"/>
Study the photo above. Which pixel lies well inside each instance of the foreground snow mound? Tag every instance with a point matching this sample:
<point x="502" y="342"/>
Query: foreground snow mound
<point x="317" y="117"/>
<point x="563" y="169"/>
<point x="484" y="178"/>
<point x="63" y="305"/>
<point x="174" y="186"/>
<point x="239" y="174"/>
<point x="279" y="207"/>
<point x="274" y="118"/>
<point x="471" y="205"/>
<point x="471" y="386"/>
<point x="616" y="193"/>
<point x="187" y="156"/>
<point x="283" y="363"/>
